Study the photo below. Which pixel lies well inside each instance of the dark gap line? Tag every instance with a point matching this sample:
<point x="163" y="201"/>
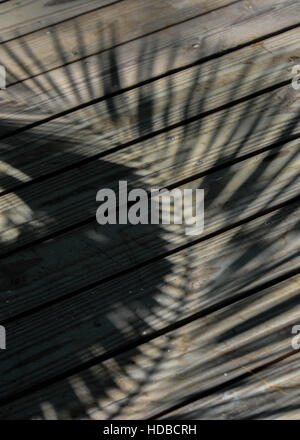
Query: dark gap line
<point x="149" y="81"/>
<point x="232" y="162"/>
<point x="180" y="323"/>
<point x="147" y="338"/>
<point x="218" y="388"/>
<point x="120" y="44"/>
<point x="176" y="184"/>
<point x="60" y="22"/>
<point x="144" y="138"/>
<point x="146" y="263"/>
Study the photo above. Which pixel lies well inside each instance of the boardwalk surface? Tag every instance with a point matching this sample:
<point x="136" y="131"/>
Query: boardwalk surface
<point x="144" y="321"/>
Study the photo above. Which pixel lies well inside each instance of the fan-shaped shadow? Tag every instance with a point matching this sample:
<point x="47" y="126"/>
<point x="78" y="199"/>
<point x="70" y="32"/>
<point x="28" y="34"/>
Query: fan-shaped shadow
<point x="52" y="244"/>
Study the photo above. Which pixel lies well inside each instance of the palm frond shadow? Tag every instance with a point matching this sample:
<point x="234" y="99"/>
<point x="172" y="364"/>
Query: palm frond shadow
<point x="247" y="400"/>
<point x="102" y="318"/>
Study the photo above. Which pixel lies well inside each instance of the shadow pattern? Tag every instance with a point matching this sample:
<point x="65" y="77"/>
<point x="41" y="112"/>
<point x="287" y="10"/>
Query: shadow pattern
<point x="85" y="266"/>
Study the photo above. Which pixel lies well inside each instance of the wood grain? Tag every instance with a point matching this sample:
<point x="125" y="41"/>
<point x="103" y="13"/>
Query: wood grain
<point x="91" y="253"/>
<point x="141" y="60"/>
<point x="270" y="394"/>
<point x="136" y="321"/>
<point x="66" y="42"/>
<point x="108" y="316"/>
<point x="21" y="17"/>
<point x="101" y="127"/>
<point x="35" y="212"/>
<point x="179" y="365"/>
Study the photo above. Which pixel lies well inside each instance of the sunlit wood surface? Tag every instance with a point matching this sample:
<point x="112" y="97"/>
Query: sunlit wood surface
<point x="144" y="321"/>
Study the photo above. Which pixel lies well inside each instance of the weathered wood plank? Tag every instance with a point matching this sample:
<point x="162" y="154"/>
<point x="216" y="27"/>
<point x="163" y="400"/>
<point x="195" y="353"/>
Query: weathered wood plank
<point x="91" y="253"/>
<point x="66" y="42"/>
<point x="142" y="111"/>
<point x="135" y="384"/>
<point x="273" y="393"/>
<point x="35" y="212"/>
<point x="143" y="59"/>
<point x="110" y="315"/>
<point x="168" y="370"/>
<point x="21" y="17"/>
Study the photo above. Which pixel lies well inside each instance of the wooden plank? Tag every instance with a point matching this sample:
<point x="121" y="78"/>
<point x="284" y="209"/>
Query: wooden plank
<point x="66" y="42"/>
<point x="55" y="267"/>
<point x="107" y="317"/>
<point x="78" y="83"/>
<point x="34" y="212"/>
<point x="172" y="368"/>
<point x="270" y="394"/>
<point x="147" y="109"/>
<point x="21" y="17"/>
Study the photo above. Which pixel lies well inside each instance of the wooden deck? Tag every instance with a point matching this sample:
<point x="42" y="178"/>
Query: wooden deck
<point x="144" y="321"/>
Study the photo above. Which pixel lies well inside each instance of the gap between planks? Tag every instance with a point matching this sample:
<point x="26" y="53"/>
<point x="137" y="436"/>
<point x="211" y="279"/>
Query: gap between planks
<point x="273" y="177"/>
<point x="18" y="19"/>
<point x="267" y="393"/>
<point x="67" y="88"/>
<point x="191" y="280"/>
<point x="78" y="38"/>
<point x="168" y="370"/>
<point x="83" y="137"/>
<point x="197" y="148"/>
